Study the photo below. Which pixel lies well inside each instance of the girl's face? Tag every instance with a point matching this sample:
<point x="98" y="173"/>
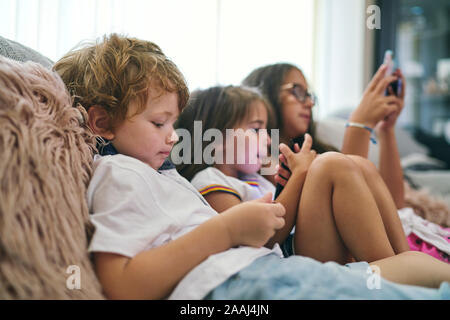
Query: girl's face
<point x="252" y="141"/>
<point x="149" y="136"/>
<point x="296" y="115"/>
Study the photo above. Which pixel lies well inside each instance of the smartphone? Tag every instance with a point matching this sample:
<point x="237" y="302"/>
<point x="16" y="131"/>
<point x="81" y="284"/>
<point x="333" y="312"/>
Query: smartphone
<point x="395" y="86"/>
<point x="299" y="140"/>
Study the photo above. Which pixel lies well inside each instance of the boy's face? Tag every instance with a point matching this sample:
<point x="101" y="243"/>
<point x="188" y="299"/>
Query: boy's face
<point x="149" y="136"/>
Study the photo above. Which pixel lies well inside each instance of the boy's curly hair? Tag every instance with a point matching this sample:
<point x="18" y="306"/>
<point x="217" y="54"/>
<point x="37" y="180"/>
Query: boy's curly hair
<point x="117" y="70"/>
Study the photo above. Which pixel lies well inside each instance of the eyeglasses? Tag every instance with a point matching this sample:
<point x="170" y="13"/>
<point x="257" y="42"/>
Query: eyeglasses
<point x="300" y="93"/>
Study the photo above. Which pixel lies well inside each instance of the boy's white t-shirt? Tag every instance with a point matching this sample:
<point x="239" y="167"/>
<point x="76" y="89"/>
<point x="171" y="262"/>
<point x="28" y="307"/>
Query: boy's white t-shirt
<point x="248" y="187"/>
<point x="136" y="208"/>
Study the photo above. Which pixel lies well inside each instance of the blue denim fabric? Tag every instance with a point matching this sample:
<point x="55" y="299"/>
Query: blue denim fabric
<point x="296" y="277"/>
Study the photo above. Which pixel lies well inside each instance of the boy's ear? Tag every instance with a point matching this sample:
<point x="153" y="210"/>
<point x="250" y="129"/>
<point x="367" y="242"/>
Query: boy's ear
<point x="100" y="122"/>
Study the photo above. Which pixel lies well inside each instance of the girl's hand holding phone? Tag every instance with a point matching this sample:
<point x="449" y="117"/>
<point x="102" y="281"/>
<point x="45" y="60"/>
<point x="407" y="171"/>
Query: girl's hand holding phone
<point x="375" y="106"/>
<point x="388" y="122"/>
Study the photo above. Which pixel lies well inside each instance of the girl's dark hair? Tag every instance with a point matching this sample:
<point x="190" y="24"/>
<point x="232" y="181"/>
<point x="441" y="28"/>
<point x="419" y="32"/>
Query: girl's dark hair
<point x="268" y="79"/>
<point x="219" y="108"/>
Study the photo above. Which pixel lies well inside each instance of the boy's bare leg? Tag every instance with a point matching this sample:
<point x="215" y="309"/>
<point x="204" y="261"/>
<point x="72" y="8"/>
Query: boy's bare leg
<point x="338" y="215"/>
<point x="413" y="268"/>
<point x="385" y="203"/>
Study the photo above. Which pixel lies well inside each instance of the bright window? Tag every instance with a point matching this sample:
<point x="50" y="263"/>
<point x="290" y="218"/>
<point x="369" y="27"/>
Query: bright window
<point x="212" y="41"/>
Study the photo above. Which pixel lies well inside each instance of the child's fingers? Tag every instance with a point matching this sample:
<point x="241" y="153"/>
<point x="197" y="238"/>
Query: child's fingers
<point x="279" y="223"/>
<point x="307" y="144"/>
<point x="280" y="180"/>
<point x="266" y="198"/>
<point x="283" y="173"/>
<point x="279" y="210"/>
<point x="296" y="148"/>
<point x="393" y="99"/>
<point x="391" y="105"/>
<point x="285" y="151"/>
<point x="382" y="85"/>
<point x="283" y="159"/>
<point x="377" y="78"/>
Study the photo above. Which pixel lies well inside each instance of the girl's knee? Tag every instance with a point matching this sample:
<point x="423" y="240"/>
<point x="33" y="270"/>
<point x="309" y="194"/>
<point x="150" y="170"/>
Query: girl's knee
<point x="333" y="162"/>
<point x="364" y="164"/>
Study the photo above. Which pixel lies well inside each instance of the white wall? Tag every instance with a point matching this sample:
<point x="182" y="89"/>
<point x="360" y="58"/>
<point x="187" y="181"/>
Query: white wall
<point x="258" y="32"/>
<point x="339" y="64"/>
<point x="213" y="41"/>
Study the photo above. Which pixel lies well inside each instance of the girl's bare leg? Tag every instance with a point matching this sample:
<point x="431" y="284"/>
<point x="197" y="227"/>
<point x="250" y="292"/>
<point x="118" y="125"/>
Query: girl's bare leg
<point x="385" y="203"/>
<point x="338" y="215"/>
<point x="413" y="268"/>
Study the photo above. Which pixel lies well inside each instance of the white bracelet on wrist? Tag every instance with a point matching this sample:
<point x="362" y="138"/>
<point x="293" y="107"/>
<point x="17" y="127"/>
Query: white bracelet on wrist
<point x="362" y="126"/>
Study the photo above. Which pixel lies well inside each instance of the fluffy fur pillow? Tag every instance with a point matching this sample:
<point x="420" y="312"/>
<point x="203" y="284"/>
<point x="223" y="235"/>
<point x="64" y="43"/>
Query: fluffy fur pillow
<point x="45" y="167"/>
<point x="429" y="207"/>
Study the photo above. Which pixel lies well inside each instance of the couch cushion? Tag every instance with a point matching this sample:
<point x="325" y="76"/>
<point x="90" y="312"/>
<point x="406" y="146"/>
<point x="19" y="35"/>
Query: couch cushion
<point x="19" y="52"/>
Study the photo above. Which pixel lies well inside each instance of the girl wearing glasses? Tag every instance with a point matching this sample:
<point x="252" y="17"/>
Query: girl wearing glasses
<point x="285" y="87"/>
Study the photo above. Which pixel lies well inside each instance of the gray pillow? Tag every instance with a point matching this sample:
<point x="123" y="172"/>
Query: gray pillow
<point x="19" y="52"/>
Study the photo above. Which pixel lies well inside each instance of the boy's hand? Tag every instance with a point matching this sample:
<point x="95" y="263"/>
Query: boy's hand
<point x="300" y="160"/>
<point x="253" y="223"/>
<point x="375" y="106"/>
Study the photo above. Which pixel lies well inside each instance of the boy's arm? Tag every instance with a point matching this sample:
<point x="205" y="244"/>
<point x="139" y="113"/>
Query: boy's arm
<point x="153" y="274"/>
